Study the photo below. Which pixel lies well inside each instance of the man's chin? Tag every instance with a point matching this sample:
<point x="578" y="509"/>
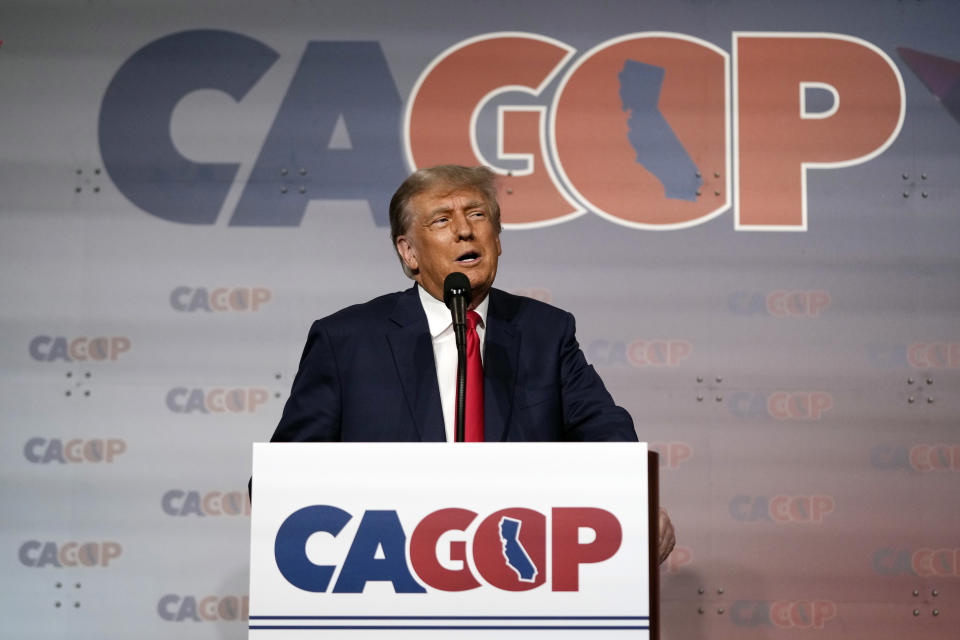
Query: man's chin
<point x="479" y="291"/>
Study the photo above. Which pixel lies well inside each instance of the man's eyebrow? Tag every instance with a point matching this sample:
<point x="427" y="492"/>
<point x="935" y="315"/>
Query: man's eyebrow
<point x="447" y="209"/>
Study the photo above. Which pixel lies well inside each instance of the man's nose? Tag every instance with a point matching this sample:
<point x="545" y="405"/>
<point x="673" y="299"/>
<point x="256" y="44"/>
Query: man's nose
<point x="462" y="227"/>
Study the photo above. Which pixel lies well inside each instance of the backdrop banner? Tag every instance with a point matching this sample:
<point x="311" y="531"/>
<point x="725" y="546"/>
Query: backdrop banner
<point x="749" y="207"/>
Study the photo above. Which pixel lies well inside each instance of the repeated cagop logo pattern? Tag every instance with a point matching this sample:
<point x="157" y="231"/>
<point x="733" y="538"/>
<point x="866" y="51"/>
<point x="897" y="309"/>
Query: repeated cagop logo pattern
<point x="679" y="174"/>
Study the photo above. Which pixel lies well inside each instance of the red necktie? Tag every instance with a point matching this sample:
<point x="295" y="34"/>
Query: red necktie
<point x="473" y="421"/>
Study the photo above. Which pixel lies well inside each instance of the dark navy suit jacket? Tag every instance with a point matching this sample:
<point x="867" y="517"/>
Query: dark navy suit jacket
<point x="367" y="375"/>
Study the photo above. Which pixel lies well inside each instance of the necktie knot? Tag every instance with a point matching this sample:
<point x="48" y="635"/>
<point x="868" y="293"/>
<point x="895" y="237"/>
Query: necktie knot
<point x="473" y="319"/>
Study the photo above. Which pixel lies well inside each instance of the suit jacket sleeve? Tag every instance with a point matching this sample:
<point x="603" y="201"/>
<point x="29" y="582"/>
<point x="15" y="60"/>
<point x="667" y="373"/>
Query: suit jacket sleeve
<point x="313" y="411"/>
<point x="589" y="412"/>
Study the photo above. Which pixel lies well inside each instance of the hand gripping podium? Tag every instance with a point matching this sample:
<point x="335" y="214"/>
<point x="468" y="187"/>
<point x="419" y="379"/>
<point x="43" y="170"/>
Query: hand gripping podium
<point x="414" y="540"/>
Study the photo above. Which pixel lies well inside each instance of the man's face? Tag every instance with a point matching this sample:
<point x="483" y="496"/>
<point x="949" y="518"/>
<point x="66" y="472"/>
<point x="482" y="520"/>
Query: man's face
<point x="451" y="230"/>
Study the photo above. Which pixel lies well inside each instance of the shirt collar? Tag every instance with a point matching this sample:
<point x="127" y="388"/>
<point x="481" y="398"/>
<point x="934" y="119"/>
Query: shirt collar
<point x="438" y="315"/>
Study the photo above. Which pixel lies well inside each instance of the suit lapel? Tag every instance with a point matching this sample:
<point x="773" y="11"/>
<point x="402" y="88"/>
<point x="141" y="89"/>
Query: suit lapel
<point x="500" y="363"/>
<point x="412" y="350"/>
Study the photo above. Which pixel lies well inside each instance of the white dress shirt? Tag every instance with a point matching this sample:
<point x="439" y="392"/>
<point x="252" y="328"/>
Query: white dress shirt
<point x="445" y="352"/>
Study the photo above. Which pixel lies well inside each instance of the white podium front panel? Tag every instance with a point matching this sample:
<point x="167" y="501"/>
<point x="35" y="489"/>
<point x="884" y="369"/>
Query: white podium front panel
<point x="521" y="540"/>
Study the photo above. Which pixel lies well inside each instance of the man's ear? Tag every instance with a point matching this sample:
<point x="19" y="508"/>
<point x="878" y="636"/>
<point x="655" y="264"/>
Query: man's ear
<point x="407" y="253"/>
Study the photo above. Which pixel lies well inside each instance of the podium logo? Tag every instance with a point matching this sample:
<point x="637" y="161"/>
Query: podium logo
<point x="508" y="549"/>
<point x="216" y="400"/>
<point x="177" y="608"/>
<point x="177" y="502"/>
<point x="43" y="451"/>
<point x="220" y="299"/>
<point x="783" y="614"/>
<point x="37" y="553"/>
<point x="667" y="352"/>
<point x="53" y="348"/>
<point x="782" y="509"/>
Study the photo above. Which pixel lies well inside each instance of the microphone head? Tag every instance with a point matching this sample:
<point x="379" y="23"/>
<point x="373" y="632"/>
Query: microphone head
<point x="456" y="284"/>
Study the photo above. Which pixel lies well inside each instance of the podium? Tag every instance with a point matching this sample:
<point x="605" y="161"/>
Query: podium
<point x="403" y="540"/>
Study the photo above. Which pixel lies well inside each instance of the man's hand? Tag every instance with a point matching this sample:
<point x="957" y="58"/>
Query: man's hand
<point x="667" y="537"/>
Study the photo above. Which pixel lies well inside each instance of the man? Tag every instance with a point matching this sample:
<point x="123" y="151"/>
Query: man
<point x="385" y="370"/>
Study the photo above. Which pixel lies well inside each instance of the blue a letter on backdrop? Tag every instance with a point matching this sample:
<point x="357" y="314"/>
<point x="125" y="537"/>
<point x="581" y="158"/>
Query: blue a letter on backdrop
<point x="348" y="80"/>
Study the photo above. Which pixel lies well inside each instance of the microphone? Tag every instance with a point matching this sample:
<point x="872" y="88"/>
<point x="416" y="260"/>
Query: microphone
<point x="456" y="295"/>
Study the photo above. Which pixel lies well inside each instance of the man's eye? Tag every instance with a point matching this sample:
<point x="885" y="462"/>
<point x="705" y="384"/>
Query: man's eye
<point x="478" y="214"/>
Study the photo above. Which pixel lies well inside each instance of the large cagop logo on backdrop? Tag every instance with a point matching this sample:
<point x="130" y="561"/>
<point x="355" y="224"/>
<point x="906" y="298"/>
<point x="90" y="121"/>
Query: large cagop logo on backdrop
<point x="636" y="130"/>
<point x="508" y="549"/>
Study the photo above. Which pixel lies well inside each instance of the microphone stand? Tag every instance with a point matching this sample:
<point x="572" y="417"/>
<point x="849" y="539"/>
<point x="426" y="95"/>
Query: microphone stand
<point x="460" y="332"/>
<point x="456" y="295"/>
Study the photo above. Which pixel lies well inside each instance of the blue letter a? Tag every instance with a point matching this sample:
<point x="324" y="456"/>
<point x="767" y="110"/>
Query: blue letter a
<point x="379" y="530"/>
<point x="347" y="82"/>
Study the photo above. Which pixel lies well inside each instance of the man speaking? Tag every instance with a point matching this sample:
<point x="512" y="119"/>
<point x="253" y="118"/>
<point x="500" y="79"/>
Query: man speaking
<point x="386" y="370"/>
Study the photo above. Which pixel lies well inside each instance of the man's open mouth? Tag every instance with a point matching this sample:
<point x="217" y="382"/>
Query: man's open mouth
<point x="469" y="256"/>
